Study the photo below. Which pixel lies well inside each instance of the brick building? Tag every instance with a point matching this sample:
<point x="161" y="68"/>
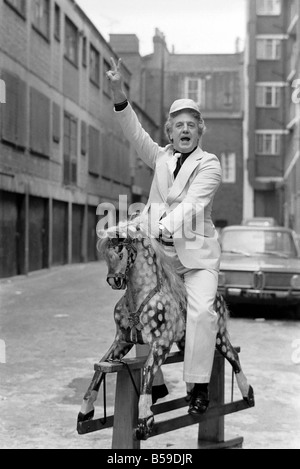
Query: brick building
<point x="61" y="151"/>
<point x="216" y="83"/>
<point x="271" y="114"/>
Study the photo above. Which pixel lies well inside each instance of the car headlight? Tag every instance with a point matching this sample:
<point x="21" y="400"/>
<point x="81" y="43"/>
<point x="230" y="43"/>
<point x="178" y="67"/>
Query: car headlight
<point x="295" y="282"/>
<point x="222" y="279"/>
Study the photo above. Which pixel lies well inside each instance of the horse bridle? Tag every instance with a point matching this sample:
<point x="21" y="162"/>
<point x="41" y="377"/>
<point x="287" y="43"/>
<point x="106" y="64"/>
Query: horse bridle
<point x="120" y="278"/>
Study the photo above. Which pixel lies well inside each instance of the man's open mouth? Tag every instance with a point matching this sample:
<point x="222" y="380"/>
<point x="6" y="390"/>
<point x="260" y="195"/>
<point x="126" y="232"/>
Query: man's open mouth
<point x="185" y="139"/>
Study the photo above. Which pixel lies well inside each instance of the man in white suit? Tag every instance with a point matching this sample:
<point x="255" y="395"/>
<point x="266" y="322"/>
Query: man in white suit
<point x="185" y="181"/>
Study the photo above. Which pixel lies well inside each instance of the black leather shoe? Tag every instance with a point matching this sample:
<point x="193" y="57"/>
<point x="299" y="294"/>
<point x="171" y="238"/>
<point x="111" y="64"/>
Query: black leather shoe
<point x="199" y="399"/>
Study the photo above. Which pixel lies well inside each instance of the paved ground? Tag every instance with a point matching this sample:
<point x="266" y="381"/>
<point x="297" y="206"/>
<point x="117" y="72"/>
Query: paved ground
<point x="57" y="323"/>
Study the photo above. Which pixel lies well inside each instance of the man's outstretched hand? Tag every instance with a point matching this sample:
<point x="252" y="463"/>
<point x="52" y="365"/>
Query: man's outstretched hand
<point x="116" y="81"/>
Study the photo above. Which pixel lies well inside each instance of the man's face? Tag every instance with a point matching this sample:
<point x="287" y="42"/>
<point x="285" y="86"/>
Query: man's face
<point x="185" y="132"/>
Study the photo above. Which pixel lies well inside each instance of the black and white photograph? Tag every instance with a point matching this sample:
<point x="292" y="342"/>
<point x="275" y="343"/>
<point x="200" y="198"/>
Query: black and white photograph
<point x="150" y="227"/>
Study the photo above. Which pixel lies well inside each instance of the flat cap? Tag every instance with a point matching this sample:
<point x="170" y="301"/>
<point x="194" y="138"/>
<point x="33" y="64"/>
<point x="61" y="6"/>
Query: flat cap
<point x="181" y="104"/>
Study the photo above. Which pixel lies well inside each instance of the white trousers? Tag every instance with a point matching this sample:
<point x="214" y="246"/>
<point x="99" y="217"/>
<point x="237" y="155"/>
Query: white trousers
<point x="201" y="327"/>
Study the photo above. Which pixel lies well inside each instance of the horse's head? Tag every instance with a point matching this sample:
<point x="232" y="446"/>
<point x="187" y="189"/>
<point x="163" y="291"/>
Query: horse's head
<point x="118" y="246"/>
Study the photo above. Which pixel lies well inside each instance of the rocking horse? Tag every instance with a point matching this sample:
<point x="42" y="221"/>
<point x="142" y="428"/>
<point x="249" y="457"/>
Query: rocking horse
<point x="152" y="311"/>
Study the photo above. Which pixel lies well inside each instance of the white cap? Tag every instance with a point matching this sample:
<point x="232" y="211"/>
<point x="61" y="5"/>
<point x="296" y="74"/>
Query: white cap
<point x="181" y="104"/>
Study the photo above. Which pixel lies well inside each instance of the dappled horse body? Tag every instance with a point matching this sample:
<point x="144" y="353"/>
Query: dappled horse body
<point x="152" y="311"/>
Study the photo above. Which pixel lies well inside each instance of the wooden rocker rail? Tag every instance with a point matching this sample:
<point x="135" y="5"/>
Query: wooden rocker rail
<point x="124" y="421"/>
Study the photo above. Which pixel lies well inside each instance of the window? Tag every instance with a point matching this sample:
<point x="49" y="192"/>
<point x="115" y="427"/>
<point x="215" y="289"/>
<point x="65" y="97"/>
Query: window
<point x="267" y="96"/>
<point x="70" y="149"/>
<point x="94" y="66"/>
<point x="41" y="16"/>
<point x="94" y="150"/>
<point x="56" y="123"/>
<point x="254" y="241"/>
<point x="18" y="5"/>
<point x="268" y="7"/>
<point x="57" y="22"/>
<point x="194" y="88"/>
<point x="267" y="144"/>
<point x="83" y="138"/>
<point x="228" y="164"/>
<point x="268" y="49"/>
<point x="71" y="42"/>
<point x="84" y="51"/>
<point x="13" y="122"/>
<point x="39" y="123"/>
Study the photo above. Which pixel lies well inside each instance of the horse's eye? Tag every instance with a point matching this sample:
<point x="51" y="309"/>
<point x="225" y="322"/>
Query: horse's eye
<point x="121" y="256"/>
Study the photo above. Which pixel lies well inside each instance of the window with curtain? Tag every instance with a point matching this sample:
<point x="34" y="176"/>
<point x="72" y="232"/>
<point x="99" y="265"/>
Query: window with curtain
<point x="41" y="16"/>
<point x="39" y="123"/>
<point x="84" y="51"/>
<point x="57" y="20"/>
<point x="268" y="96"/>
<point x="267" y="144"/>
<point x="56" y="123"/>
<point x="94" y="65"/>
<point x="94" y="151"/>
<point x="14" y="119"/>
<point x="70" y="149"/>
<point x="83" y="138"/>
<point x="268" y="49"/>
<point x="268" y="7"/>
<point x="71" y="42"/>
<point x="228" y="164"/>
<point x="194" y="88"/>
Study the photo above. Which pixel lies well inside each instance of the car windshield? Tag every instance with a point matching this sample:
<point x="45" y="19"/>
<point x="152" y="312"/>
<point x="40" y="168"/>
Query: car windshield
<point x="258" y="242"/>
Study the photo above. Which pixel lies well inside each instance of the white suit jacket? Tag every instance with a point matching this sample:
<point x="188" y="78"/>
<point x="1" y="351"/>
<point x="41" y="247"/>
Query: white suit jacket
<point x="185" y="203"/>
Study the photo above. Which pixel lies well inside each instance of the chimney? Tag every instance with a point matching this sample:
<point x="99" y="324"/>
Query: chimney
<point x="160" y="46"/>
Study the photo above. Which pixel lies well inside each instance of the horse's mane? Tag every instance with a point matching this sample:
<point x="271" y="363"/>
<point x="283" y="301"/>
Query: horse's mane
<point x="164" y="263"/>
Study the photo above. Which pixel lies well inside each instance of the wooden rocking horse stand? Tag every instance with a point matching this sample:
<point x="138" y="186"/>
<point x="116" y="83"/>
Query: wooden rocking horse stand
<point x="152" y="311"/>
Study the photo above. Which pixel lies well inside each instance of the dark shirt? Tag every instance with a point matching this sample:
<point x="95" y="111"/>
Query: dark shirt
<point x="121" y="106"/>
<point x="181" y="160"/>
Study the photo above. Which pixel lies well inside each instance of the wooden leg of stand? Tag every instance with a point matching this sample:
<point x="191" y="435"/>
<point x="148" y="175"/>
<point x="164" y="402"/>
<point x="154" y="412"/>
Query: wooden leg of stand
<point x="212" y="431"/>
<point x="126" y="411"/>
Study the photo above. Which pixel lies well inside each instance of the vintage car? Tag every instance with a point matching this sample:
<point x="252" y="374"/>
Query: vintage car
<point x="260" y="265"/>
